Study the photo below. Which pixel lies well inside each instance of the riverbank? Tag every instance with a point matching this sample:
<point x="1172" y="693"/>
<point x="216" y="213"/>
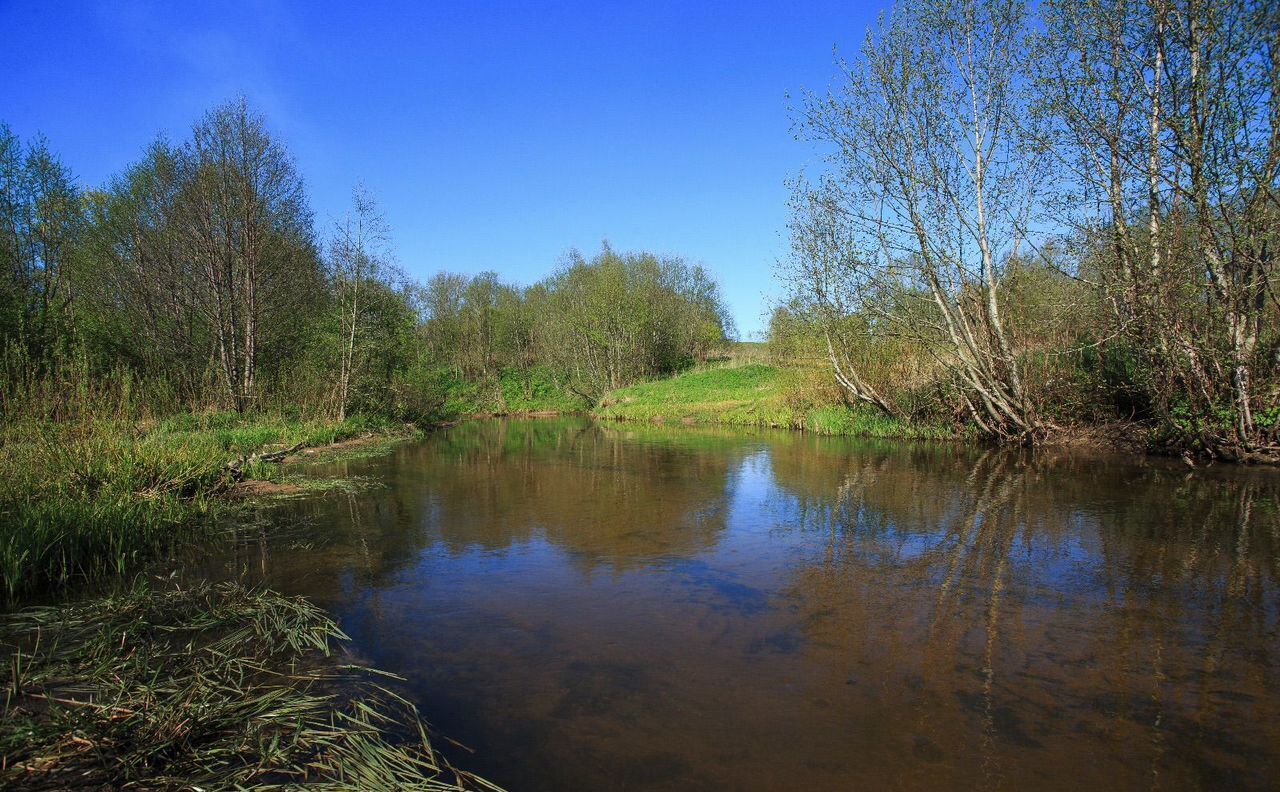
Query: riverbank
<point x="759" y="395"/>
<point x="756" y="394"/>
<point x="83" y="499"/>
<point x="161" y="686"/>
<point x="511" y="392"/>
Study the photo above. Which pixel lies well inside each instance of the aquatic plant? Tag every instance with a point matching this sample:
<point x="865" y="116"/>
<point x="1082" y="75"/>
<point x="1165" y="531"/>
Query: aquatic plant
<point x="203" y="687"/>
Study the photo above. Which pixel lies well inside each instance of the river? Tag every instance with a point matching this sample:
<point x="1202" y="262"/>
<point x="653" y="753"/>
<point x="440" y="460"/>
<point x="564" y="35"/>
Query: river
<point x="606" y="606"/>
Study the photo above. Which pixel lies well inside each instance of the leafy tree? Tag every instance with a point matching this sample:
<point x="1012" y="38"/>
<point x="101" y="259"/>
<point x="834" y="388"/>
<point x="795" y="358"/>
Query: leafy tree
<point x="243" y="217"/>
<point x="42" y="223"/>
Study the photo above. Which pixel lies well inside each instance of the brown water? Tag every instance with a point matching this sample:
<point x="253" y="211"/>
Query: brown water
<point x="610" y="607"/>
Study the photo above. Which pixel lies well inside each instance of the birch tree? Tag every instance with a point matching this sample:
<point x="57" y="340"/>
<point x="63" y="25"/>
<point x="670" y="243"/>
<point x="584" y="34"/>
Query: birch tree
<point x="930" y="187"/>
<point x="246" y="223"/>
<point x="1168" y="119"/>
<point x="359" y="263"/>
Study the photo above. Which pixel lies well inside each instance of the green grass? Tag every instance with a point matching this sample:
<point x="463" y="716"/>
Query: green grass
<point x="754" y="394"/>
<point x="87" y="498"/>
<point x="202" y="687"/>
<point x="513" y="393"/>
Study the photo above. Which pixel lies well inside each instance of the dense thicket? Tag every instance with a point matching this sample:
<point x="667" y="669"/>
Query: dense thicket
<point x="1032" y="218"/>
<point x="198" y="277"/>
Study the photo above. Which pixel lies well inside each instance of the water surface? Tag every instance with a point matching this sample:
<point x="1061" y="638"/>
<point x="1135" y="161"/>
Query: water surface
<point x="632" y="607"/>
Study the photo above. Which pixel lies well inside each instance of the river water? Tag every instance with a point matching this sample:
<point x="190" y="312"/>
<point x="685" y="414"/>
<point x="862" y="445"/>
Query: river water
<point x="594" y="607"/>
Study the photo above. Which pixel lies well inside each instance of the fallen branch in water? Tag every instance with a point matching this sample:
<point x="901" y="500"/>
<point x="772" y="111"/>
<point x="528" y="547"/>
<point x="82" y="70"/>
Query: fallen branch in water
<point x="237" y="467"/>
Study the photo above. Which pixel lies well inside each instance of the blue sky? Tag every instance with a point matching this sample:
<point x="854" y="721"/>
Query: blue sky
<point x="495" y="135"/>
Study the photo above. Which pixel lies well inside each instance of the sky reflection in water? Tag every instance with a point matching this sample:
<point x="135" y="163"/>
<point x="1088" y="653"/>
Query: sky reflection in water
<point x="635" y="607"/>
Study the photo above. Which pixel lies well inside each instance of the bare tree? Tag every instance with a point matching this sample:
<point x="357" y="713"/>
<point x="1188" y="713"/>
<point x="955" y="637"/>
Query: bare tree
<point x="835" y="291"/>
<point x="359" y="262"/>
<point x="931" y="187"/>
<point x="1168" y="115"/>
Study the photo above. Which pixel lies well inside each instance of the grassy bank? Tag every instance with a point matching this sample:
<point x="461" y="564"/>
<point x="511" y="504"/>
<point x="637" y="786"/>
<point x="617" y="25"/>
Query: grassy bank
<point x="511" y="392"/>
<point x="755" y="394"/>
<point x="84" y="498"/>
<point x="203" y="687"/>
<point x="210" y="687"/>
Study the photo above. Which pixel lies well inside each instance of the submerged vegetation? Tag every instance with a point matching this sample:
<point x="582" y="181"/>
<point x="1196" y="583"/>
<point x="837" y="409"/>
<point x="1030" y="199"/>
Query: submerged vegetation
<point x="209" y="687"/>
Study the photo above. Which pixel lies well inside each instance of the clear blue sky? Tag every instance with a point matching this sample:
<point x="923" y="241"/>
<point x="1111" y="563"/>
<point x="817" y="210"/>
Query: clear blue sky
<point x="495" y="135"/>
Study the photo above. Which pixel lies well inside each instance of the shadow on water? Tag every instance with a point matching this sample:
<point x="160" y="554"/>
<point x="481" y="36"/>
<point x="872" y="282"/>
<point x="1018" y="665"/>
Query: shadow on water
<point x="592" y="606"/>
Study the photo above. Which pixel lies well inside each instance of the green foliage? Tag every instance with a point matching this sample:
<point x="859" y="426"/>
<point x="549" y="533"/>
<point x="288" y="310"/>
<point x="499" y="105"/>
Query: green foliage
<point x="42" y="223"/>
<point x="594" y="325"/>
<point x="618" y="318"/>
<point x="1117" y="373"/>
<point x="537" y="390"/>
<point x="512" y="392"/>
<point x="195" y="281"/>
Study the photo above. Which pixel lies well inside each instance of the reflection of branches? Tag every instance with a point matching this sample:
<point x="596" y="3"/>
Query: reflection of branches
<point x="1238" y="576"/>
<point x="990" y="765"/>
<point x="1159" y="585"/>
<point x="983" y="537"/>
<point x="995" y="485"/>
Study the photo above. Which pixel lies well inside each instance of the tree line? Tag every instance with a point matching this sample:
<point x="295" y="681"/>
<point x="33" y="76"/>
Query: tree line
<point x="199" y="274"/>
<point x="1033" y="217"/>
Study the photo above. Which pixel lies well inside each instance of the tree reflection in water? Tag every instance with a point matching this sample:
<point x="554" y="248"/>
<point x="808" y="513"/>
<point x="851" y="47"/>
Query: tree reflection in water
<point x="593" y="606"/>
<point x="1122" y="600"/>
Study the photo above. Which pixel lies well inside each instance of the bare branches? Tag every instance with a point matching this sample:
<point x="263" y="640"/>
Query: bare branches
<point x="930" y="188"/>
<point x="1182" y="104"/>
<point x="1131" y="148"/>
<point x="242" y="216"/>
<point x="359" y="265"/>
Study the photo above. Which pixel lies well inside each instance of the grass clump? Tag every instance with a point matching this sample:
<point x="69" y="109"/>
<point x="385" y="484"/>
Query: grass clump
<point x="208" y="687"/>
<point x="89" y="497"/>
<point x="760" y="395"/>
